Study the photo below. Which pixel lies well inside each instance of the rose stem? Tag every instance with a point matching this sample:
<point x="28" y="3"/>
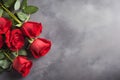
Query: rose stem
<point x="27" y="18"/>
<point x="11" y="14"/>
<point x="8" y="57"/>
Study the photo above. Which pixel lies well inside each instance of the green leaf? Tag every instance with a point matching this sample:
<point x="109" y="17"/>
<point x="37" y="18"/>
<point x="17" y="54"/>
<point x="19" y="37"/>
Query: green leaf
<point x="22" y="52"/>
<point x="2" y="55"/>
<point x="17" y="5"/>
<point x="4" y="64"/>
<point x="22" y="16"/>
<point x="8" y="3"/>
<point x="30" y="9"/>
<point x="1" y="12"/>
<point x="5" y="14"/>
<point x="24" y="4"/>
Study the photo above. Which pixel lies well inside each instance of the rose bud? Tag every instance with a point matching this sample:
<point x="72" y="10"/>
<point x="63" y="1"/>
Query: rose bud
<point x="40" y="47"/>
<point x="22" y="65"/>
<point x="32" y="29"/>
<point x="5" y="25"/>
<point x="14" y="39"/>
<point x="1" y="41"/>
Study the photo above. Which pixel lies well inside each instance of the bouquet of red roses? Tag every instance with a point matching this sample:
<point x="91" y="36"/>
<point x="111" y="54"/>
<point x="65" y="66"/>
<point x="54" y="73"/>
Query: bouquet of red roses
<point x="19" y="36"/>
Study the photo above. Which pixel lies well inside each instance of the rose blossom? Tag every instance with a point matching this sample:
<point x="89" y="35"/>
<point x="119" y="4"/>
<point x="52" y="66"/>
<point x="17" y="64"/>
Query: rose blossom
<point x="32" y="29"/>
<point x="5" y="25"/>
<point x="1" y="41"/>
<point x="40" y="47"/>
<point x="15" y="39"/>
<point x="22" y="65"/>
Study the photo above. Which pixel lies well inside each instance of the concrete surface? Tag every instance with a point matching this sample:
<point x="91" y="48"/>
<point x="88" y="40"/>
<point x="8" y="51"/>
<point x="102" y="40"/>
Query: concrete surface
<point x="86" y="41"/>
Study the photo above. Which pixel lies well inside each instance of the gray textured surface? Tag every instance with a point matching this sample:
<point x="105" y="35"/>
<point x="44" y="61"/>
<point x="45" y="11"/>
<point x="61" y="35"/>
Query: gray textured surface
<point x="86" y="41"/>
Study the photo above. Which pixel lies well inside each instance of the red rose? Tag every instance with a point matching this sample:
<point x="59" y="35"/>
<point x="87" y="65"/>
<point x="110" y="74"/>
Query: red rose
<point x="14" y="39"/>
<point x="1" y="41"/>
<point x="32" y="29"/>
<point x="40" y="47"/>
<point x="5" y="25"/>
<point x="22" y="65"/>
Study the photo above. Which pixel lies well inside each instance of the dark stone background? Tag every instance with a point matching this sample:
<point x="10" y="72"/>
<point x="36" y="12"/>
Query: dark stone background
<point x="86" y="41"/>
